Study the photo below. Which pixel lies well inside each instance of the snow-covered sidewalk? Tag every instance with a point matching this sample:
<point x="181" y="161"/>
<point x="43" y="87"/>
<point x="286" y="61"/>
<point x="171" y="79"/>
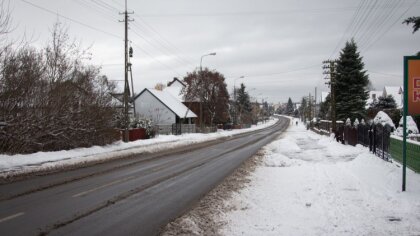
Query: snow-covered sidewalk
<point x="311" y="185"/>
<point x="18" y="164"/>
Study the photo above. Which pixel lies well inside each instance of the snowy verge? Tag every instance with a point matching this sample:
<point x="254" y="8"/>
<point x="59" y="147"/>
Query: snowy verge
<point x="309" y="184"/>
<point x="12" y="165"/>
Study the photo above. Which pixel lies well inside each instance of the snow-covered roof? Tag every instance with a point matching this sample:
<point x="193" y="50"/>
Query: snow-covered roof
<point x="396" y="92"/>
<point x="175" y="91"/>
<point x="171" y="103"/>
<point x="176" y="83"/>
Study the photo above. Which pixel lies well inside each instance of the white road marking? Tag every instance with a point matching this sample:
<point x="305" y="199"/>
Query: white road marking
<point x="11" y="217"/>
<point x="102" y="186"/>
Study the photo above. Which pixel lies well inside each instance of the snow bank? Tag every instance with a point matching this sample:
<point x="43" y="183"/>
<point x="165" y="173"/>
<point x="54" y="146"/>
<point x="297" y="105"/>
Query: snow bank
<point x="411" y="127"/>
<point x="384" y="119"/>
<point x="311" y="185"/>
<point x="18" y="164"/>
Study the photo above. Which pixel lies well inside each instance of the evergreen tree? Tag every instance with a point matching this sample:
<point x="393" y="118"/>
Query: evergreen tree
<point x="351" y="84"/>
<point x="303" y="108"/>
<point x="325" y="108"/>
<point x="290" y="107"/>
<point x="385" y="103"/>
<point x="243" y="105"/>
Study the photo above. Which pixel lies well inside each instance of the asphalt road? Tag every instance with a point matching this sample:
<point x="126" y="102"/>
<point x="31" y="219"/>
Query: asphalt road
<point x="131" y="196"/>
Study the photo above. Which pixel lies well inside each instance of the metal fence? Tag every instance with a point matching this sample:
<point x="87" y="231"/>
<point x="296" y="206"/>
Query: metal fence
<point x="175" y="129"/>
<point x="178" y="129"/>
<point x="375" y="136"/>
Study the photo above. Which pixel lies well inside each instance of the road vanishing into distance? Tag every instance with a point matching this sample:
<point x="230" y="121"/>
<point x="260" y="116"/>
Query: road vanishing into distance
<point x="136" y="195"/>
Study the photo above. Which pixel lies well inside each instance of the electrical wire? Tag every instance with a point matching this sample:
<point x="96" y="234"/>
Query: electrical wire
<point x="98" y="30"/>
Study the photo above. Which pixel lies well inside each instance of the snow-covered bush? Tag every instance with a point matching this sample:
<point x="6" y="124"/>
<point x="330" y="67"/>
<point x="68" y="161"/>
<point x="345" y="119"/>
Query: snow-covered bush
<point x="383" y="119"/>
<point x="410" y="129"/>
<point x="363" y="122"/>
<point x="356" y="122"/>
<point x="348" y="122"/>
<point x="142" y="123"/>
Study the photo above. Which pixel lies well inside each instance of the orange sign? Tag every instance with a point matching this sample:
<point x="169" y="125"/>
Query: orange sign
<point x="413" y="89"/>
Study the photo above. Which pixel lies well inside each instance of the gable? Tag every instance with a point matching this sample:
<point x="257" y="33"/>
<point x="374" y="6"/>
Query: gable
<point x="170" y="102"/>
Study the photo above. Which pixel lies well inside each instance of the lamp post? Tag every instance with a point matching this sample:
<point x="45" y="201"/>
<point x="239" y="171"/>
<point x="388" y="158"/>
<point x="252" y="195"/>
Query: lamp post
<point x="234" y="97"/>
<point x="201" y="96"/>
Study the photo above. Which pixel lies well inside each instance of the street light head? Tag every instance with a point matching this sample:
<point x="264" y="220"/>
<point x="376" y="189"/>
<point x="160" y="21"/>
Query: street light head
<point x="242" y="77"/>
<point x="212" y="54"/>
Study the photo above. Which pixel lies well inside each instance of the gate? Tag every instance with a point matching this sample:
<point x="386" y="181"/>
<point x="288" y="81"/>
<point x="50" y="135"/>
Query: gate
<point x="381" y="139"/>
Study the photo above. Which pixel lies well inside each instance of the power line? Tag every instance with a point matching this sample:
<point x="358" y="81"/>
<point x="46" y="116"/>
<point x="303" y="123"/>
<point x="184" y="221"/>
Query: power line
<point x="282" y="72"/>
<point x="72" y="20"/>
<point x="160" y="36"/>
<point x="390" y="75"/>
<point x="355" y="15"/>
<point x="382" y="24"/>
<point x="98" y="30"/>
<point x="98" y="11"/>
<point x="248" y="13"/>
<point x="155" y="44"/>
<point x="379" y="37"/>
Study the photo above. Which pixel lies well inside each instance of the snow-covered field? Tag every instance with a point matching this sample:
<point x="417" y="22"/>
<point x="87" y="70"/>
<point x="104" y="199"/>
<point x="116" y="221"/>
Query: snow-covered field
<point x="19" y="164"/>
<point x="311" y="185"/>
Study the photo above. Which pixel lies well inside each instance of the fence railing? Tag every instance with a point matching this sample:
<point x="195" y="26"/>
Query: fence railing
<point x="375" y="136"/>
<point x="175" y="129"/>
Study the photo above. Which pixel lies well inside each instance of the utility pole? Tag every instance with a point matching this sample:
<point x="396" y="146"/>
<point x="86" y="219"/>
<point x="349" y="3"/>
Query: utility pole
<point x="315" y="109"/>
<point x="126" y="68"/>
<point x="310" y="105"/>
<point x="331" y="66"/>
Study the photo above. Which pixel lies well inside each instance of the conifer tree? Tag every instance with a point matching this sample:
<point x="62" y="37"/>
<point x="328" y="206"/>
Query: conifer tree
<point x="351" y="84"/>
<point x="385" y="103"/>
<point x="290" y="108"/>
<point x="243" y="104"/>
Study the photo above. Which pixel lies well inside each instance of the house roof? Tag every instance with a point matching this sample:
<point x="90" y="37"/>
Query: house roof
<point x="176" y="80"/>
<point x="396" y="92"/>
<point x="176" y="92"/>
<point x="171" y="103"/>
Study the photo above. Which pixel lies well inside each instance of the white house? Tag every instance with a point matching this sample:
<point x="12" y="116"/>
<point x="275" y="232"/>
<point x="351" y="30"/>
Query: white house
<point x="161" y="107"/>
<point x="175" y="88"/>
<point x="373" y="96"/>
<point x="396" y="92"/>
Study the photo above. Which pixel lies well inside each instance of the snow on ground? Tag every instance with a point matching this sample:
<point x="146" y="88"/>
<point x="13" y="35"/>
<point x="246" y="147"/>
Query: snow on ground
<point x="19" y="164"/>
<point x="311" y="185"/>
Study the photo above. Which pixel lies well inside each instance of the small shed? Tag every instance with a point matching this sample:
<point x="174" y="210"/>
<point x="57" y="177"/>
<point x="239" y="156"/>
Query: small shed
<point x="162" y="108"/>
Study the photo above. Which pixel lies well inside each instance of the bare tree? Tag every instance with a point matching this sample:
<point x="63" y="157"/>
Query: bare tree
<point x="209" y="88"/>
<point x="50" y="100"/>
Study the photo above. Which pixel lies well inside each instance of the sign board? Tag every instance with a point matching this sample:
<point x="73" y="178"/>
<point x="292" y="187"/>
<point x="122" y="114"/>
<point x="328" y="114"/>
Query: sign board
<point x="411" y="101"/>
<point x="413" y="85"/>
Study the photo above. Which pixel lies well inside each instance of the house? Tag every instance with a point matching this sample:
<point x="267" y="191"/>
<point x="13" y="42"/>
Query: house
<point x="175" y="89"/>
<point x="162" y="107"/>
<point x="373" y="96"/>
<point x="396" y="92"/>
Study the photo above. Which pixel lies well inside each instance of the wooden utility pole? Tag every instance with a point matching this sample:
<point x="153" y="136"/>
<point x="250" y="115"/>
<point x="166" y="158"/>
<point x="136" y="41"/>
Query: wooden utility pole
<point x="126" y="68"/>
<point x="330" y="67"/>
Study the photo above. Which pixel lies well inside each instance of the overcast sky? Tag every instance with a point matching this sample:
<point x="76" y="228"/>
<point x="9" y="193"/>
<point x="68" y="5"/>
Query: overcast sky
<point x="277" y="45"/>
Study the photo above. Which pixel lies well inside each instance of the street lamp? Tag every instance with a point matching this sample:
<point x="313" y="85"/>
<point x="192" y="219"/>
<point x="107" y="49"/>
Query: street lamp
<point x="201" y="77"/>
<point x="234" y="97"/>
<point x="201" y="60"/>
